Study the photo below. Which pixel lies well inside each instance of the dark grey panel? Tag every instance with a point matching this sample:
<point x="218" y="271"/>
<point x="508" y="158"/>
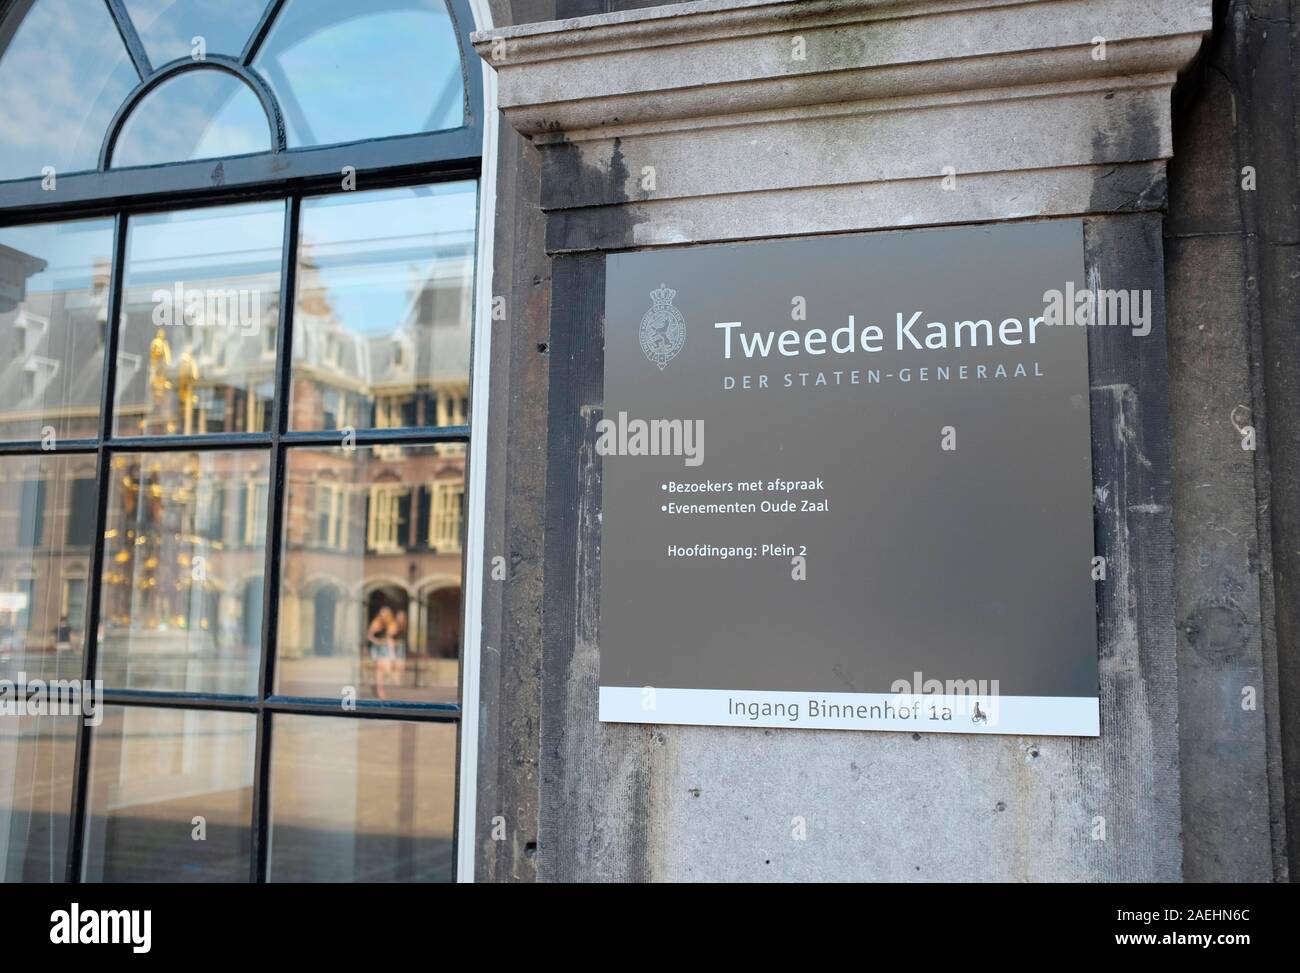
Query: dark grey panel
<point x="964" y="564"/>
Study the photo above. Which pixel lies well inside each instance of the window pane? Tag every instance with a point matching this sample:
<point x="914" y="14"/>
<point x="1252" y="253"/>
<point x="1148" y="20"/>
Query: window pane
<point x="47" y="518"/>
<point x="53" y="305"/>
<point x="342" y="73"/>
<point x="196" y="115"/>
<point x="36" y="768"/>
<point x="382" y="315"/>
<point x="371" y="590"/>
<point x="361" y="800"/>
<point x="184" y="548"/>
<point x="62" y="77"/>
<point x="202" y="299"/>
<point x="168" y="27"/>
<point x="153" y="772"/>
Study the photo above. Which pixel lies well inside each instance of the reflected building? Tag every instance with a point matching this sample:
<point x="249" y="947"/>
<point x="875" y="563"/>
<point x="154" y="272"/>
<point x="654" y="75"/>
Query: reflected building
<point x="365" y="529"/>
<point x="52" y="320"/>
<point x="376" y="528"/>
<point x="225" y="477"/>
<point x="53" y="308"/>
<point x="47" y="522"/>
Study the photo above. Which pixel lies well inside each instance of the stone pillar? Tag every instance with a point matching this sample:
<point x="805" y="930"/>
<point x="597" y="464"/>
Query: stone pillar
<point x="728" y="120"/>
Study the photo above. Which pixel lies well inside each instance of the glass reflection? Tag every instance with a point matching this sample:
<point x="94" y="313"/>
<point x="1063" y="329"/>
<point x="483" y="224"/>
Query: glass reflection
<point x="53" y="306"/>
<point x="201" y="307"/>
<point x="184" y="547"/>
<point x="167" y="28"/>
<point x="63" y="75"/>
<point x="361" y="800"/>
<point x="196" y="115"/>
<point x="47" y="530"/>
<point x="371" y="589"/>
<point x="153" y="772"/>
<point x="342" y="74"/>
<point x="36" y="771"/>
<point x="382" y="311"/>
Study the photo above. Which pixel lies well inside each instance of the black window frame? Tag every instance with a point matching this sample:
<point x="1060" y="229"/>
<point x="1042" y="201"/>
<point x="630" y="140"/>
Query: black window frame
<point x="283" y="174"/>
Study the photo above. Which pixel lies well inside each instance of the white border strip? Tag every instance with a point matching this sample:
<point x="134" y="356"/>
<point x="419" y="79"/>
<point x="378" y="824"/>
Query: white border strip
<point x="467" y="781"/>
<point x="923" y="713"/>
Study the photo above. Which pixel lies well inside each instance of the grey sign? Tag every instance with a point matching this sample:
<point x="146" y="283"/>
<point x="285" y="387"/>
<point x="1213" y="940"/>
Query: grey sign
<point x="847" y="478"/>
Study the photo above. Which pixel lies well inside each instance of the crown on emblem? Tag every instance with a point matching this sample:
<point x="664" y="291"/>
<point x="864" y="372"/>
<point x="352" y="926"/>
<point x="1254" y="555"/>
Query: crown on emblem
<point x="663" y="294"/>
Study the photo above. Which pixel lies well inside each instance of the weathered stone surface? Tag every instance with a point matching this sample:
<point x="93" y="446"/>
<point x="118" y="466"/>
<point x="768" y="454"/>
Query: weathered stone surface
<point x="719" y="114"/>
<point x="746" y="142"/>
<point x="1232" y="273"/>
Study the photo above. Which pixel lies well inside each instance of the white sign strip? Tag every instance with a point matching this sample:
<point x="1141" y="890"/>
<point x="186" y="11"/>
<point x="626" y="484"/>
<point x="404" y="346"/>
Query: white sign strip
<point x="1027" y="715"/>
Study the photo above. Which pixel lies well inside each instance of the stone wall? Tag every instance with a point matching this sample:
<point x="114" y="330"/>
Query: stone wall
<point x="744" y="140"/>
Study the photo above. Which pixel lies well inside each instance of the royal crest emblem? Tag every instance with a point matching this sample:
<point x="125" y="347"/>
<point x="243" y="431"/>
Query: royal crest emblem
<point x="663" y="329"/>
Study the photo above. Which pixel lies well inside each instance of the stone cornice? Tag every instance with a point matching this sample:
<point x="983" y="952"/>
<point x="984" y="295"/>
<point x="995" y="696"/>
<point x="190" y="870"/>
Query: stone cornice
<point x="727" y="97"/>
<point x="689" y="60"/>
<point x="720" y="20"/>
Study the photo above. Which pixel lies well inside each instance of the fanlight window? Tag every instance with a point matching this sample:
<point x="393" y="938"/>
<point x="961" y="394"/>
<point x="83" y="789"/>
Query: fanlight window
<point x="182" y="80"/>
<point x="201" y="114"/>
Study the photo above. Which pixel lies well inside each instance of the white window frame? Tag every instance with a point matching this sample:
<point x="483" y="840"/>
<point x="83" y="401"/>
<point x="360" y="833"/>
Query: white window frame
<point x="475" y="486"/>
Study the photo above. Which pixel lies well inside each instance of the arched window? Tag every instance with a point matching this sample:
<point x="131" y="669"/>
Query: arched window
<point x="200" y="114"/>
<point x="184" y="81"/>
<point x="237" y="264"/>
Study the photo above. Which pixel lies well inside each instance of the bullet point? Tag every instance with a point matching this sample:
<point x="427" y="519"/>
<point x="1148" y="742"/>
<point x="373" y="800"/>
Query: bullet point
<point x="664" y="509"/>
<point x="663" y="486"/>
